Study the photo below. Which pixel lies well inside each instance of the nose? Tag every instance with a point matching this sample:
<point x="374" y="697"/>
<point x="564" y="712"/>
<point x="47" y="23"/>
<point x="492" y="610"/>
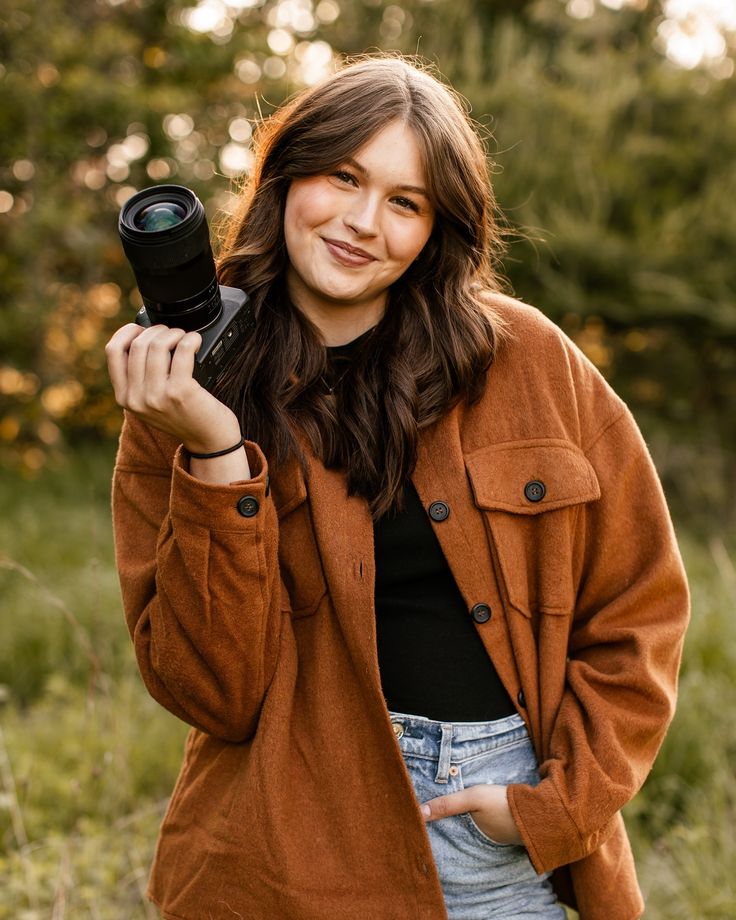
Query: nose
<point x="362" y="217"/>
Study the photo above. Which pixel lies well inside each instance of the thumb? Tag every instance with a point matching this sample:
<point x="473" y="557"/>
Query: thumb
<point x="455" y="803"/>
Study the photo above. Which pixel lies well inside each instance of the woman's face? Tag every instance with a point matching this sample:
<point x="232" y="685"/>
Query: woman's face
<point x="352" y="233"/>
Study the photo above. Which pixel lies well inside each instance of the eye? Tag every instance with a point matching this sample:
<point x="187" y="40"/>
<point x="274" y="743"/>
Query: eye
<point x="347" y="178"/>
<point x="406" y="203"/>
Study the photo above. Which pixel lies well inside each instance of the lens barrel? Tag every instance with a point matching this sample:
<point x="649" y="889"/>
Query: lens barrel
<point x="166" y="239"/>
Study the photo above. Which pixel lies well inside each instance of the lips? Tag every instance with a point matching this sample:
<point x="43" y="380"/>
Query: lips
<point x="350" y="255"/>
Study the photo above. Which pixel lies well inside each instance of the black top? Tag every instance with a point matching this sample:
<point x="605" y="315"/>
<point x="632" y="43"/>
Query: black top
<point x="431" y="658"/>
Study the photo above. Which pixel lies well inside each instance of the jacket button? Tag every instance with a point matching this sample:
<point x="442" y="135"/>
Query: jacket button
<point x="248" y="506"/>
<point x="481" y="613"/>
<point x="535" y="490"/>
<point x="439" y="511"/>
<point x="521" y="699"/>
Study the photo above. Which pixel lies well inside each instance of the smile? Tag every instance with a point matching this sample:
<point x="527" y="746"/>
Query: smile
<point x="347" y="254"/>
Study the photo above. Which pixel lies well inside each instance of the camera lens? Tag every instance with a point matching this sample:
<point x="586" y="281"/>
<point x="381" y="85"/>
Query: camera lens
<point x="166" y="239"/>
<point x="160" y="216"/>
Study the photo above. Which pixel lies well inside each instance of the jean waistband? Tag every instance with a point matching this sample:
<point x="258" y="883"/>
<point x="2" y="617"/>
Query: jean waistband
<point x="450" y="743"/>
<point x="419" y="726"/>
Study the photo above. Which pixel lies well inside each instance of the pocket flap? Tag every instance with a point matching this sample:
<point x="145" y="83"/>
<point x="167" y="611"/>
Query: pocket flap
<point x="530" y="477"/>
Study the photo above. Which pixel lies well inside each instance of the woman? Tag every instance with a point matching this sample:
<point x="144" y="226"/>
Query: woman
<point x="426" y="620"/>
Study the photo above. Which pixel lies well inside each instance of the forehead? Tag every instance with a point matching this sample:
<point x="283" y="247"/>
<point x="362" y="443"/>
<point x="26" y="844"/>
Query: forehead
<point x="393" y="154"/>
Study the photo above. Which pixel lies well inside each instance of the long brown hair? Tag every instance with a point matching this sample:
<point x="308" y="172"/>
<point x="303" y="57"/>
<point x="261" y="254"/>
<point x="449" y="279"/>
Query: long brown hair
<point x="436" y="340"/>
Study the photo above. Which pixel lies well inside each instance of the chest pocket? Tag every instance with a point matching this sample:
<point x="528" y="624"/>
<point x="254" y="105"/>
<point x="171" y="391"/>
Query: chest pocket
<point x="299" y="560"/>
<point x="531" y="493"/>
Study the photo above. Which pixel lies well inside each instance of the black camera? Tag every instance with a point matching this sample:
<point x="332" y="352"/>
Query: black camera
<point x="166" y="239"/>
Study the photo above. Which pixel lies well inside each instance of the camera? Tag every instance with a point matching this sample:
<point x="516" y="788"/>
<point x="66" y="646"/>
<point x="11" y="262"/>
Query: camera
<point x="166" y="240"/>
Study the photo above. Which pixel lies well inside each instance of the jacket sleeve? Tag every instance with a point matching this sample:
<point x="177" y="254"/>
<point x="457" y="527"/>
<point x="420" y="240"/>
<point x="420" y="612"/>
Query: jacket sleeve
<point x="200" y="582"/>
<point x="625" y="645"/>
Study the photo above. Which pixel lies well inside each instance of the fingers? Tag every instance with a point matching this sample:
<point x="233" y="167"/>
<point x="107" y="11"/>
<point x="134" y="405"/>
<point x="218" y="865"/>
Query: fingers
<point x="455" y="803"/>
<point x="182" y="361"/>
<point x="151" y="370"/>
<point x="116" y="352"/>
<point x="141" y="365"/>
<point x="488" y="806"/>
<point x="149" y="365"/>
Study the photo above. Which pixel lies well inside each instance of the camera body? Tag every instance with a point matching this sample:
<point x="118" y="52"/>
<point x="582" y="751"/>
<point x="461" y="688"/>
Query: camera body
<point x="165" y="236"/>
<point x="222" y="339"/>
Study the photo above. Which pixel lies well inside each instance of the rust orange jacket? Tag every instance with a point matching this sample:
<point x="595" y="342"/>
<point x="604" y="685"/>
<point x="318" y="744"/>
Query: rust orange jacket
<point x="253" y="621"/>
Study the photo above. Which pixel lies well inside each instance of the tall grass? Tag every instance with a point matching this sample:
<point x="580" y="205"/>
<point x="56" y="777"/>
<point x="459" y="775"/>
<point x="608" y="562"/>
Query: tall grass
<point x="87" y="759"/>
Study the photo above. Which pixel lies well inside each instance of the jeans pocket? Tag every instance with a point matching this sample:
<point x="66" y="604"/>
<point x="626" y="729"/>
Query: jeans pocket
<point x="483" y="837"/>
<point x="510" y="763"/>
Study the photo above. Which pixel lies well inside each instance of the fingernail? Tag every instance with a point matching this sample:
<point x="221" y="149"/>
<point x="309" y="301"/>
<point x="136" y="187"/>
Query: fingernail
<point x="425" y="810"/>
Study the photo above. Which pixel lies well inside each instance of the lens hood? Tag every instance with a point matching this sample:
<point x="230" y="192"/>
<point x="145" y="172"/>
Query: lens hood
<point x="172" y="245"/>
<point x="173" y="264"/>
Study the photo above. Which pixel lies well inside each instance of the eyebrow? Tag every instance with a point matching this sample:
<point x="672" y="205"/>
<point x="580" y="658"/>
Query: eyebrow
<point x="401" y="188"/>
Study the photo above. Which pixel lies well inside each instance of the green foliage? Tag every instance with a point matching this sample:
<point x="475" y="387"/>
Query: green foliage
<point x="87" y="755"/>
<point x="60" y="593"/>
<point x="90" y="776"/>
<point x="87" y="758"/>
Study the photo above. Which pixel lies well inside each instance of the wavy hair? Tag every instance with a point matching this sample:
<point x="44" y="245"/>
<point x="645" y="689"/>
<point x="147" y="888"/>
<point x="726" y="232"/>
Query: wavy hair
<point x="436" y="340"/>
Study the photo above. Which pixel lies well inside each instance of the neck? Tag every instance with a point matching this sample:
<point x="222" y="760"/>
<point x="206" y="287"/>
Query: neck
<point x="337" y="322"/>
<point x="351" y="344"/>
<point x="346" y="329"/>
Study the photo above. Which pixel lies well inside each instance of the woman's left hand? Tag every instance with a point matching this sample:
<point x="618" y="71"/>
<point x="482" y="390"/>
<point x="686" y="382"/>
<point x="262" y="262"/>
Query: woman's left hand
<point x="488" y="806"/>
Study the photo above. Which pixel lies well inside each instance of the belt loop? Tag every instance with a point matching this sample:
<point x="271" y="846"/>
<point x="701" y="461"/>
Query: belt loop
<point x="443" y="764"/>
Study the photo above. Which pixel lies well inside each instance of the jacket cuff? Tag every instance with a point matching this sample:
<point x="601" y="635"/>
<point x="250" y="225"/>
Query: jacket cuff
<point x="550" y="835"/>
<point x="234" y="506"/>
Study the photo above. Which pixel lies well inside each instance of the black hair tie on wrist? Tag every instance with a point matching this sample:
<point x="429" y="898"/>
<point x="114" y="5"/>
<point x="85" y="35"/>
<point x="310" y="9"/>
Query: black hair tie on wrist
<point x="217" y="453"/>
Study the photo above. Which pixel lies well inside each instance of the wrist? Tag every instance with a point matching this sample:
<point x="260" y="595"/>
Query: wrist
<point x="230" y="467"/>
<point x="212" y="455"/>
<point x="211" y="443"/>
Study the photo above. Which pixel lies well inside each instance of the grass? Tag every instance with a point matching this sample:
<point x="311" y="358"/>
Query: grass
<point x="87" y="759"/>
<point x="85" y="784"/>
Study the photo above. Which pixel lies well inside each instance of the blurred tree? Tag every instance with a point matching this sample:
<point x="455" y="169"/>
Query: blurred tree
<point x="615" y="168"/>
<point x="99" y="99"/>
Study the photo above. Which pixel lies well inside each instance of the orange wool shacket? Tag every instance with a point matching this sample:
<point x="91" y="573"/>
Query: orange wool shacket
<point x="253" y="621"/>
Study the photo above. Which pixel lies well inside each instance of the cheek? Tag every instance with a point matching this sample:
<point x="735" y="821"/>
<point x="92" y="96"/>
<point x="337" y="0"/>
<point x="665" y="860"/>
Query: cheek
<point x="409" y="242"/>
<point x="293" y="215"/>
<point x="299" y="217"/>
<point x="291" y="236"/>
<point x="307" y="205"/>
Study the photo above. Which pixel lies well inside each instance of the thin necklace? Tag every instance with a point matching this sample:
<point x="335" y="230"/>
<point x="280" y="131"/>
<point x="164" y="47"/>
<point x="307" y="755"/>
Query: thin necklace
<point x="331" y="388"/>
<point x="348" y="359"/>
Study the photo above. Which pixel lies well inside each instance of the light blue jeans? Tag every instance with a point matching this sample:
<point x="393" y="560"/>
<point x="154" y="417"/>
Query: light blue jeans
<point x="481" y="879"/>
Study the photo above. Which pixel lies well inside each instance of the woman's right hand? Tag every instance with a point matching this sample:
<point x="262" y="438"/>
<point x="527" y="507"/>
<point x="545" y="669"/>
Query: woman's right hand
<point x="151" y="372"/>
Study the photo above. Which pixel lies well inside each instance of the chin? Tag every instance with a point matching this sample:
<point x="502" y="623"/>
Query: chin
<point x="341" y="296"/>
